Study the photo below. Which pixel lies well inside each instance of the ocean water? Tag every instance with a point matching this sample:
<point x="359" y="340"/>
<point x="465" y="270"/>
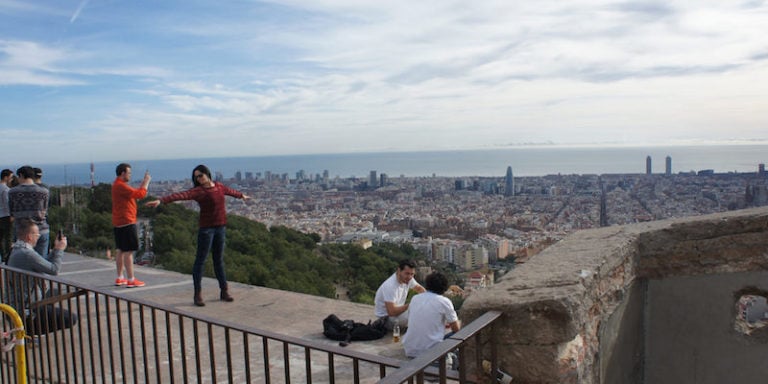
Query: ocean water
<point x="525" y="161"/>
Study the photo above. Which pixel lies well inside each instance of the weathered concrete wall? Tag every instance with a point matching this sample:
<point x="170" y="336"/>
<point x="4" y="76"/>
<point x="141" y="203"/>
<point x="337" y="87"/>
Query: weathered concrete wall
<point x="690" y="334"/>
<point x="569" y="310"/>
<point x="622" y="339"/>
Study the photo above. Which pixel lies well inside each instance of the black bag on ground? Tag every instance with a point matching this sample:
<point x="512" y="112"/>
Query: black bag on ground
<point x="349" y="330"/>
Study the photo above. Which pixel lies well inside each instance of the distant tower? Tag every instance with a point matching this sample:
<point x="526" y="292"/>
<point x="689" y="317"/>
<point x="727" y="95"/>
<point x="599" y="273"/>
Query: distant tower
<point x="648" y="165"/>
<point x="383" y="180"/>
<point x="509" y="185"/>
<point x="93" y="180"/>
<point x="761" y="169"/>
<point x="373" y="181"/>
<point x="668" y="168"/>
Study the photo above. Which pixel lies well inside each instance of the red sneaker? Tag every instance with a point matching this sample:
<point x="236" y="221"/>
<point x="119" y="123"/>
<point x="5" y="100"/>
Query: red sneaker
<point x="135" y="283"/>
<point x="120" y="281"/>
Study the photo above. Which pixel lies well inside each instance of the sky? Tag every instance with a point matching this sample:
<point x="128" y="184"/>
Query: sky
<point x="108" y="80"/>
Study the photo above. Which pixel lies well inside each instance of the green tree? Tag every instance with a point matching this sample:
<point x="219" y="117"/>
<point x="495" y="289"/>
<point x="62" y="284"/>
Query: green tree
<point x="101" y="198"/>
<point x="276" y="257"/>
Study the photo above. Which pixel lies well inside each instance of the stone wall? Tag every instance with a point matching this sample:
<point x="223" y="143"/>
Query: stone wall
<point x="575" y="313"/>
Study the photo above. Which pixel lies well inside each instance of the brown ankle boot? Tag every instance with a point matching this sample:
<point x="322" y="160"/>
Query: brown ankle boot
<point x="199" y="299"/>
<point x="225" y="296"/>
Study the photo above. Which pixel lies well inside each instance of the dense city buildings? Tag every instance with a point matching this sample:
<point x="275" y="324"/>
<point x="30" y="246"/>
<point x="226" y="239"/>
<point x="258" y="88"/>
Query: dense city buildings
<point x="470" y="222"/>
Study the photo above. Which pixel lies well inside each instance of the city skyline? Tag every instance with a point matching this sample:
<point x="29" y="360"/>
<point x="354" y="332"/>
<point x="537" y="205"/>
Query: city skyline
<point x="88" y="81"/>
<point x="483" y="163"/>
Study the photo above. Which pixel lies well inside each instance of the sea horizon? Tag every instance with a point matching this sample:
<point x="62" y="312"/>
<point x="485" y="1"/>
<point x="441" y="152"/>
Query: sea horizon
<point x="525" y="161"/>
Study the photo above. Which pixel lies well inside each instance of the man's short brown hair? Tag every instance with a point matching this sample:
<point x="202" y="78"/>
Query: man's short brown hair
<point x="24" y="227"/>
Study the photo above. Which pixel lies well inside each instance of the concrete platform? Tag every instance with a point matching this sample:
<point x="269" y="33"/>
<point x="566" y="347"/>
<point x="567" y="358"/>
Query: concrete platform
<point x="284" y="312"/>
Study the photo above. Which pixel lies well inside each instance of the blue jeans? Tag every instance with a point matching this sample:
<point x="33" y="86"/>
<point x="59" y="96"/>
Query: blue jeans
<point x="210" y="239"/>
<point x="43" y="243"/>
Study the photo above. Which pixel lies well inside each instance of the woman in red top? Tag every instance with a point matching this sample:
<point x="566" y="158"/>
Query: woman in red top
<point x="213" y="226"/>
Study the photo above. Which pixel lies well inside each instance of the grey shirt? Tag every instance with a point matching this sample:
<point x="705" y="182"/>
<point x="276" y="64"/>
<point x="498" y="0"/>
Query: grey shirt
<point x="4" y="210"/>
<point x="23" y="256"/>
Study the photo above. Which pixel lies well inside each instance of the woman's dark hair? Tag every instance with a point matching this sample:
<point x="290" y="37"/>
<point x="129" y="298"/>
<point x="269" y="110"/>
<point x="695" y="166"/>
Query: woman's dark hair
<point x="437" y="283"/>
<point x="202" y="169"/>
<point x="26" y="172"/>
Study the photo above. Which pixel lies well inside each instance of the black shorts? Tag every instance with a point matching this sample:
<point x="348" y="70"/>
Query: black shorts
<point x="127" y="238"/>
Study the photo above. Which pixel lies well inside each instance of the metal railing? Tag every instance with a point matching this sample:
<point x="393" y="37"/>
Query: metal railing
<point x="421" y="367"/>
<point x="91" y="335"/>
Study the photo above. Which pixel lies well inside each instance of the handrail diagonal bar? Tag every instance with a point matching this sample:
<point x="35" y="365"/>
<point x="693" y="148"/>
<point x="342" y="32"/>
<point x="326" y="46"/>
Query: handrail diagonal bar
<point x="421" y="364"/>
<point x="410" y="368"/>
<point x="477" y="325"/>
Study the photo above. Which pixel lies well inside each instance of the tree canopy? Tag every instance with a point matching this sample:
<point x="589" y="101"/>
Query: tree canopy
<point x="276" y="257"/>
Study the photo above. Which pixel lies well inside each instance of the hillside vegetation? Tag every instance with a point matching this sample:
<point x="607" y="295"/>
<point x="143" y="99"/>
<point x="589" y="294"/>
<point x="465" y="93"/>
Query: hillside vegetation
<point x="276" y="257"/>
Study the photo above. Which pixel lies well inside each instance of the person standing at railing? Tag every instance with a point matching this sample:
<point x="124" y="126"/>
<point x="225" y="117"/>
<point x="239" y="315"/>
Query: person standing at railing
<point x="47" y="318"/>
<point x="429" y="315"/>
<point x="210" y="196"/>
<point x="5" y="215"/>
<point x="124" y="222"/>
<point x="389" y="302"/>
<point x="30" y="200"/>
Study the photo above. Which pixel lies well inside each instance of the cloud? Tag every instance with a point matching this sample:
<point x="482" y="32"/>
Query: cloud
<point x="291" y="76"/>
<point x="78" y="11"/>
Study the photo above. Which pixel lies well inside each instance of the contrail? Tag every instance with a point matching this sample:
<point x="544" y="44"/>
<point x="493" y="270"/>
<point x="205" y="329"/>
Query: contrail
<point x="78" y="10"/>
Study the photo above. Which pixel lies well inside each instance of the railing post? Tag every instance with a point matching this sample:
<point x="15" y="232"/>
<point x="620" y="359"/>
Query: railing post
<point x="19" y="340"/>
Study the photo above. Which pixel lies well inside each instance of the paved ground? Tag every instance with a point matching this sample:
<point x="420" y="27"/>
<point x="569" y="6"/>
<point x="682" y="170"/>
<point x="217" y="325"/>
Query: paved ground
<point x="279" y="311"/>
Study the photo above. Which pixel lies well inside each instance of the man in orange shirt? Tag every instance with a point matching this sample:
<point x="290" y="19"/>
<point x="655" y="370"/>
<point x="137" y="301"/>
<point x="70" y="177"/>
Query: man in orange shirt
<point x="124" y="222"/>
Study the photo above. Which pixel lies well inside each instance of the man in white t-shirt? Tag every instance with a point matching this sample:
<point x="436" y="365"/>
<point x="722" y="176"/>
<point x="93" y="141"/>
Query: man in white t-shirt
<point x="390" y="297"/>
<point x="429" y="314"/>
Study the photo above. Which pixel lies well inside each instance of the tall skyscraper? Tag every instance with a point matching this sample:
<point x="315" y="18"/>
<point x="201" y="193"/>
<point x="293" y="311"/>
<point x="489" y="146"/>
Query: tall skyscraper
<point x="509" y="185"/>
<point x="648" y="165"/>
<point x="668" y="168"/>
<point x="373" y="181"/>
